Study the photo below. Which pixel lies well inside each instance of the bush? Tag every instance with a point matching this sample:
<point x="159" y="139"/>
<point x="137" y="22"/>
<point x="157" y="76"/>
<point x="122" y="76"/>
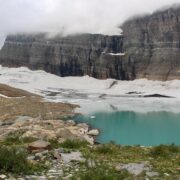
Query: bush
<point x="54" y="143"/>
<point x="16" y="139"/>
<point x="14" y="160"/>
<point x="73" y="144"/>
<point x="164" y="150"/>
<point x="105" y="149"/>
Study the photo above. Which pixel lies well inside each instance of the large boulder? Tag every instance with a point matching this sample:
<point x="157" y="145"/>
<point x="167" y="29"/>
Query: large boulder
<point x="93" y="132"/>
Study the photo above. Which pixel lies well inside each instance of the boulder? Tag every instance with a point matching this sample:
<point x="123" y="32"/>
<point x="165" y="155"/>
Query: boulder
<point x="89" y="139"/>
<point x="2" y="176"/>
<point x="93" y="132"/>
<point x="57" y="155"/>
<point x="39" y="146"/>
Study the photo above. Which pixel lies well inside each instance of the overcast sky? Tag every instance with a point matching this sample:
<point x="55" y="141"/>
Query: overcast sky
<point x="71" y="16"/>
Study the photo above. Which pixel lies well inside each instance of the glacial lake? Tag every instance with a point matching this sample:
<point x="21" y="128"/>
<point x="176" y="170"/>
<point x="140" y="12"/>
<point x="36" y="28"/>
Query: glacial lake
<point x="135" y="128"/>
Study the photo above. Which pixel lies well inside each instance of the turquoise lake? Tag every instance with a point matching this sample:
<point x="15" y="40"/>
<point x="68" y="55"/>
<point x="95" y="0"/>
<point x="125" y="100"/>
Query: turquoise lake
<point x="133" y="128"/>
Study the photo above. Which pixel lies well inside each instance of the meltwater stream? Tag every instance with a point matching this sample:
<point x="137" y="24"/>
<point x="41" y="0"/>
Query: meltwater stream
<point x="135" y="128"/>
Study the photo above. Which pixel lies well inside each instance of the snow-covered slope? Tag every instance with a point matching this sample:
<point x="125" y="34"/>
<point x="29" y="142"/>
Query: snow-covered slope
<point x="123" y="95"/>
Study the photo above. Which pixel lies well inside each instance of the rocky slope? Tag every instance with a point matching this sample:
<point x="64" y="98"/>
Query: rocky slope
<point x="149" y="48"/>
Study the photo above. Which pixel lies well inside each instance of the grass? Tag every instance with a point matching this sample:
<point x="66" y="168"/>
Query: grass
<point x="101" y="172"/>
<point x="164" y="150"/>
<point x="105" y="149"/>
<point x="163" y="158"/>
<point x="16" y="139"/>
<point x="73" y="144"/>
<point x="14" y="160"/>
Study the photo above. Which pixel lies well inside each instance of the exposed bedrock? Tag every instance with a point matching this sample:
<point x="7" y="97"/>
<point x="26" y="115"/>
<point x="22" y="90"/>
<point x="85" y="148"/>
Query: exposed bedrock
<point x="149" y="48"/>
<point x="78" y="55"/>
<point x="152" y="45"/>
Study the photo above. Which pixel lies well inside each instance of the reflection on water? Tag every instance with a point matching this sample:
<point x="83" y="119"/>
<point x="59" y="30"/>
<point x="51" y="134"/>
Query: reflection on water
<point x="133" y="128"/>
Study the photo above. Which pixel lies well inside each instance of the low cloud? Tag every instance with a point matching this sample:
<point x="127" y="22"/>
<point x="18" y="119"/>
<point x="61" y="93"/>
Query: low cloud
<point x="71" y="16"/>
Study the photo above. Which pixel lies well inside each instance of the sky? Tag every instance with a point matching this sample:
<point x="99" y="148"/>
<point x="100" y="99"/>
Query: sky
<point x="71" y="16"/>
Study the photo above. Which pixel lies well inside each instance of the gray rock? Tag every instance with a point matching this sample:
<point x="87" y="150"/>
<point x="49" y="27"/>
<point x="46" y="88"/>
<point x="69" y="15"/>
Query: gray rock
<point x="30" y="157"/>
<point x="23" y="118"/>
<point x="73" y="156"/>
<point x="93" y="132"/>
<point x="38" y="155"/>
<point x="2" y="176"/>
<point x="152" y="174"/>
<point x="134" y="168"/>
<point x="89" y="139"/>
<point x="57" y="155"/>
<point x="70" y="123"/>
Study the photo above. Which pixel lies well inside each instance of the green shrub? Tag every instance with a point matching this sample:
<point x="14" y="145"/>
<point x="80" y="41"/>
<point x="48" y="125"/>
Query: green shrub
<point x="173" y="148"/>
<point x="73" y="144"/>
<point x="164" y="150"/>
<point x="14" y="160"/>
<point x="104" y="149"/>
<point x="16" y="139"/>
<point x="54" y="143"/>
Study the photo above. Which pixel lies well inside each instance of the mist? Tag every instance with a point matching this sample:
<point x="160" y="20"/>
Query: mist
<point x="71" y="16"/>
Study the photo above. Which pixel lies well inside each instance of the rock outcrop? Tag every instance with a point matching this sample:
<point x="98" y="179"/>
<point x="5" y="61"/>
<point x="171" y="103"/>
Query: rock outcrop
<point x="149" y="48"/>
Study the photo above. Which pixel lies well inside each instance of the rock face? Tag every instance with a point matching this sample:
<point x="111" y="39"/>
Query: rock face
<point x="149" y="48"/>
<point x="78" y="55"/>
<point x="152" y="45"/>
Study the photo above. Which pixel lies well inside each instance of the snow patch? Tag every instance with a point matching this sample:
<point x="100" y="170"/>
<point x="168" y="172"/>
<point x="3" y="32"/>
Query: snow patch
<point x="114" y="54"/>
<point x="93" y="94"/>
<point x="117" y="54"/>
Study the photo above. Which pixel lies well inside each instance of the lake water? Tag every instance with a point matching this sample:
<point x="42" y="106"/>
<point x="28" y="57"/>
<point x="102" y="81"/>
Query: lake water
<point x="134" y="128"/>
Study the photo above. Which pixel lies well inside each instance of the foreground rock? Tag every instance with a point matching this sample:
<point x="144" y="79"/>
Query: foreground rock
<point x="93" y="132"/>
<point x="39" y="146"/>
<point x="73" y="156"/>
<point x="137" y="168"/>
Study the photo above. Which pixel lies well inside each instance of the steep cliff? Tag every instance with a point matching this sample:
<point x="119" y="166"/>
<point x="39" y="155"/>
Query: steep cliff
<point x="149" y="48"/>
<point x="152" y="45"/>
<point x="95" y="55"/>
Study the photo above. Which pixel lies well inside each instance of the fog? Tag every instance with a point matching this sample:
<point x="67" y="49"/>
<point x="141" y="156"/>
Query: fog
<point x="71" y="16"/>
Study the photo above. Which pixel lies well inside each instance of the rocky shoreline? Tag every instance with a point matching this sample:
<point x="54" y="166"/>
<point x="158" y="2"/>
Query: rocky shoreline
<point x="48" y="129"/>
<point x="43" y="133"/>
<point x="40" y="141"/>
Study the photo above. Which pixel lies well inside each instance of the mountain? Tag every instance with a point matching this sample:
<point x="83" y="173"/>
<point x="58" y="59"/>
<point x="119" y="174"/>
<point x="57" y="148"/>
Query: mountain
<point x="149" y="48"/>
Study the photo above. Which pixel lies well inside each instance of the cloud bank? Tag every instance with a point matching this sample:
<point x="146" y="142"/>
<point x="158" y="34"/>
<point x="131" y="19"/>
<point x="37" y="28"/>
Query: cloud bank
<point x="71" y="16"/>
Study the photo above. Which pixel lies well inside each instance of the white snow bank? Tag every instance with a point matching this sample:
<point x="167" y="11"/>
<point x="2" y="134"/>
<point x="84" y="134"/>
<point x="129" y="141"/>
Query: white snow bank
<point x="115" y="54"/>
<point x="88" y="91"/>
<point x="1" y="95"/>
